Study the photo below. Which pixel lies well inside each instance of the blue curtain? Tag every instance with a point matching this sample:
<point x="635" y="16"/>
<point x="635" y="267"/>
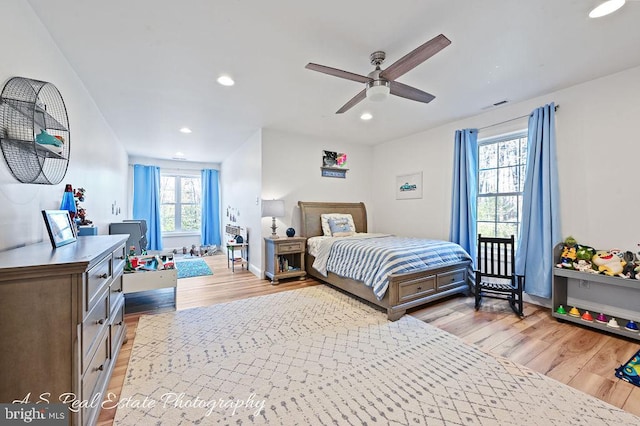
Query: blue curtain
<point x="540" y="225"/>
<point x="465" y="188"/>
<point x="210" y="208"/>
<point x="146" y="202"/>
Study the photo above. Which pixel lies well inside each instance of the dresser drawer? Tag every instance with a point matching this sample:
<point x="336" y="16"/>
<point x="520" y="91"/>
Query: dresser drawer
<point x="289" y="247"/>
<point x="119" y="256"/>
<point x="116" y="328"/>
<point x="96" y="279"/>
<point x="94" y="378"/>
<point x="93" y="325"/>
<point x="416" y="288"/>
<point x="451" y="279"/>
<point x="116" y="290"/>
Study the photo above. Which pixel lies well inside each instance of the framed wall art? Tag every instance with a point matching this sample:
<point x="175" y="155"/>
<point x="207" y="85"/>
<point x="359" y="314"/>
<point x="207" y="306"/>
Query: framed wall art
<point x="409" y="186"/>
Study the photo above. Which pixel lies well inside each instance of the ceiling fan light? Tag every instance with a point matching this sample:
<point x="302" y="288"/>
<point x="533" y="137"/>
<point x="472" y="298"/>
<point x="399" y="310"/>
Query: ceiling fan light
<point x="606" y="8"/>
<point x="378" y="92"/>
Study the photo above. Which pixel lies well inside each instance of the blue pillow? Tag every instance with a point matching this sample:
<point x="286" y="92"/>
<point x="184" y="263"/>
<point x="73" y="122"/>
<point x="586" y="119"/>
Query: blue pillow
<point x="340" y="227"/>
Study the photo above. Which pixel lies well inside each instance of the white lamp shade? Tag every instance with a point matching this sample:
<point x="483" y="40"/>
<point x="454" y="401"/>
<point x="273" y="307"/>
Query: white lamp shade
<point x="272" y="208"/>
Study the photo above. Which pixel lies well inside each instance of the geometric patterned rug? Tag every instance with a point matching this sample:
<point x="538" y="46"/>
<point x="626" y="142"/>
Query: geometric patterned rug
<point x="316" y="356"/>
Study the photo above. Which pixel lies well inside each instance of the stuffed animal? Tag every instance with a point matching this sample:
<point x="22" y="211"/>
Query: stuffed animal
<point x="583" y="258"/>
<point x="629" y="269"/>
<point x="568" y="255"/>
<point x="608" y="262"/>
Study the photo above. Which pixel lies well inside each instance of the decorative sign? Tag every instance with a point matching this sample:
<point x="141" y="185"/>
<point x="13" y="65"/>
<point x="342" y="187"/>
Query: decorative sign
<point x="334" y="172"/>
<point x="409" y="186"/>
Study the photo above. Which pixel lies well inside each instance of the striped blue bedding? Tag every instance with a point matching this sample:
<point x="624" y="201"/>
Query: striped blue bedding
<point x="372" y="260"/>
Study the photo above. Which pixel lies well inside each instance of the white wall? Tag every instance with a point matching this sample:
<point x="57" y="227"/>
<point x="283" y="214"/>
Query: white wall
<point x="597" y="148"/>
<point x="240" y="178"/>
<point x="187" y="168"/>
<point x="291" y="171"/>
<point x="97" y="162"/>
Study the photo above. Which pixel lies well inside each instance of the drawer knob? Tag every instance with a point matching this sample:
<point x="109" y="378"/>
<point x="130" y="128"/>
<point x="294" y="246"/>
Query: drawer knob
<point x="117" y="290"/>
<point x="105" y="275"/>
<point x="120" y="257"/>
<point x="419" y="288"/>
<point x="101" y="368"/>
<point x="100" y="321"/>
<point x="120" y="323"/>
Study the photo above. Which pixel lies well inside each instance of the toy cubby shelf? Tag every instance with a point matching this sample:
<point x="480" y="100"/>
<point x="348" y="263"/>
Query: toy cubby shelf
<point x="564" y="280"/>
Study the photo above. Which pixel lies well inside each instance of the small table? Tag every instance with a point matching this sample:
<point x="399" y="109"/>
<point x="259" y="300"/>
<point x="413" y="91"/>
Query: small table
<point x="231" y="251"/>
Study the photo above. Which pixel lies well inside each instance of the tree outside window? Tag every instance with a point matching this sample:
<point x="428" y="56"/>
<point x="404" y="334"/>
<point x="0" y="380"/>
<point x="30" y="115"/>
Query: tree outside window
<point x="501" y="174"/>
<point x="180" y="203"/>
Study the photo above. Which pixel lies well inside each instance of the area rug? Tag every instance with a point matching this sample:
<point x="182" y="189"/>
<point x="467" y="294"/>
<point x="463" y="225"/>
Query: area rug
<point x="316" y="356"/>
<point x="192" y="268"/>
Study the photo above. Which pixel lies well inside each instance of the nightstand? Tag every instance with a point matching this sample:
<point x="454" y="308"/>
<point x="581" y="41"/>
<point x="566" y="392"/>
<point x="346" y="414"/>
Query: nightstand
<point x="284" y="258"/>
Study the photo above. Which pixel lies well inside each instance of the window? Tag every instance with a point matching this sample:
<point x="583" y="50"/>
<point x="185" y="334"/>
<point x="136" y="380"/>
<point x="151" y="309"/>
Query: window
<point x="501" y="174"/>
<point x="180" y="203"/>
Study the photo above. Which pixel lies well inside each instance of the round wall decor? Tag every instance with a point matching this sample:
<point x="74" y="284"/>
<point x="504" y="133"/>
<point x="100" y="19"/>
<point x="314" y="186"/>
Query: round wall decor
<point x="34" y="131"/>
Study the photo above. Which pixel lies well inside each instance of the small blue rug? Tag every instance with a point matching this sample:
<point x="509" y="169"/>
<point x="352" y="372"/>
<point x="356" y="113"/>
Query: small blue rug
<point x="192" y="268"/>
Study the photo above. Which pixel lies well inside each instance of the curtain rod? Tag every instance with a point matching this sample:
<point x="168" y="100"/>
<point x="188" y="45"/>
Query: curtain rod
<point x="555" y="108"/>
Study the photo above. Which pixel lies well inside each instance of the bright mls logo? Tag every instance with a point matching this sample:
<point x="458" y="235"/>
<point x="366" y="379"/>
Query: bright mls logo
<point x="407" y="187"/>
<point x="36" y="414"/>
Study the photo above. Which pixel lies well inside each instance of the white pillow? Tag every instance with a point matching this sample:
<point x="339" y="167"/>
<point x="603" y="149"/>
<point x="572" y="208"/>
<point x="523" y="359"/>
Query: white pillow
<point x="324" y="219"/>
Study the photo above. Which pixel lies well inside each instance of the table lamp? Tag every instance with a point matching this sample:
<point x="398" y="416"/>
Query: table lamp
<point x="273" y="209"/>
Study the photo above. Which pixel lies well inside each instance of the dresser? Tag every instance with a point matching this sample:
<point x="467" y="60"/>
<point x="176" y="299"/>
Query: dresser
<point x="62" y="321"/>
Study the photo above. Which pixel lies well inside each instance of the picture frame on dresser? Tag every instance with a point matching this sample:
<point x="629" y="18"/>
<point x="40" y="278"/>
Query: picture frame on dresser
<point x="60" y="228"/>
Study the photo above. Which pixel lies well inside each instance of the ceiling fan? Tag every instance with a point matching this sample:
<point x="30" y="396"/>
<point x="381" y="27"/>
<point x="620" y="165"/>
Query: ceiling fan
<point x="379" y="83"/>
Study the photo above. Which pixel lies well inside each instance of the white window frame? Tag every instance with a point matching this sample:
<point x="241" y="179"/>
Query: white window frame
<point x="178" y="175"/>
<point x="497" y="140"/>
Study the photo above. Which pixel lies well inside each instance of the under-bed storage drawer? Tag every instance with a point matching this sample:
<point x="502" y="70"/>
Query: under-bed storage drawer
<point x="451" y="279"/>
<point x="415" y="289"/>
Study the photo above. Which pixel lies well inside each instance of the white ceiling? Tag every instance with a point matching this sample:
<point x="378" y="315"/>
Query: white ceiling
<point x="151" y="65"/>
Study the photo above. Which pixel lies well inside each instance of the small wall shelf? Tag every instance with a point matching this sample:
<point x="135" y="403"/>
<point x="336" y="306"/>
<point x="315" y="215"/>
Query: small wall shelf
<point x="29" y="108"/>
<point x="334" y="172"/>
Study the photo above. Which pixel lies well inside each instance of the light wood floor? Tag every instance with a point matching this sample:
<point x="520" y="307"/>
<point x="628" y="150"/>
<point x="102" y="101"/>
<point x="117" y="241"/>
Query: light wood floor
<point x="577" y="356"/>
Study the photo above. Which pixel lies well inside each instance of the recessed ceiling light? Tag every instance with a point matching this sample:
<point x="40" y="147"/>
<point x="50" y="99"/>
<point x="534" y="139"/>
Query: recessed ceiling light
<point x="366" y="116"/>
<point x="225" y="80"/>
<point x="185" y="130"/>
<point x="606" y="8"/>
<point x="179" y="154"/>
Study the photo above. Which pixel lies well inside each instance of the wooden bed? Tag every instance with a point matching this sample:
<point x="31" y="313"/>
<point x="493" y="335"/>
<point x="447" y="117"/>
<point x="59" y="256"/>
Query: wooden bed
<point x="405" y="290"/>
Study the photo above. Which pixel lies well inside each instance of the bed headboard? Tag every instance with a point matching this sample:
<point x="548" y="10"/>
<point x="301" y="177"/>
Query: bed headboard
<point x="310" y="212"/>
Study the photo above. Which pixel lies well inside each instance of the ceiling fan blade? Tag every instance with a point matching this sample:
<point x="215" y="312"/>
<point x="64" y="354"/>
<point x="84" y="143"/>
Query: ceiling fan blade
<point x="415" y="57"/>
<point x="409" y="92"/>
<point x="338" y="73"/>
<point x="357" y="98"/>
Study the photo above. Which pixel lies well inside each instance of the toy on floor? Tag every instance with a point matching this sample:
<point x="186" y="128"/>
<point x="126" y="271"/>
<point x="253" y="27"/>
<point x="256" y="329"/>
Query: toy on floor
<point x="613" y="323"/>
<point x="574" y="312"/>
<point x="631" y="326"/>
<point x="630" y="371"/>
<point x="587" y="316"/>
<point x="601" y="318"/>
<point x="561" y="310"/>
